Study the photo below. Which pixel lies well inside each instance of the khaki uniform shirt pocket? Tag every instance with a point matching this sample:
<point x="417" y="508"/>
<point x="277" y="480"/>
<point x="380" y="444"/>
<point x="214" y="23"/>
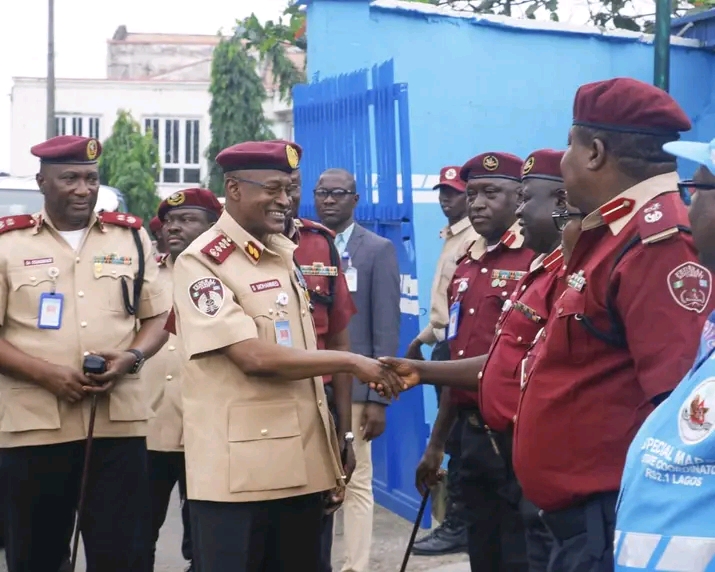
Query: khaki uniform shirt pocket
<point x="110" y="279"/>
<point x="129" y="401"/>
<point x="28" y="409"/>
<point x="265" y="447"/>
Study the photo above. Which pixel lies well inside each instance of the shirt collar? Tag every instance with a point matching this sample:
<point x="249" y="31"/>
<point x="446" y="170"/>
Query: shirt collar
<point x="618" y="212"/>
<point x="44" y="220"/>
<point x="276" y="244"/>
<point x="511" y="239"/>
<point x="453" y="230"/>
<point x="548" y="261"/>
<point x="346" y="234"/>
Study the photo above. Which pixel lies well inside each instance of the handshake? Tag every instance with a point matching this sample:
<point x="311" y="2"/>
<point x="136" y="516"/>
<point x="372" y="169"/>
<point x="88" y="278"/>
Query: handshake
<point x="389" y="376"/>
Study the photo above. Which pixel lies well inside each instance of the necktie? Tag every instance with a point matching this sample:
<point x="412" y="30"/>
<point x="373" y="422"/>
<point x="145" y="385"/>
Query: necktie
<point x="340" y="243"/>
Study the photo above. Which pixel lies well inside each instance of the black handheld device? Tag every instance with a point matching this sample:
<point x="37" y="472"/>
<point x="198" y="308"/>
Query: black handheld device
<point x="94" y="364"/>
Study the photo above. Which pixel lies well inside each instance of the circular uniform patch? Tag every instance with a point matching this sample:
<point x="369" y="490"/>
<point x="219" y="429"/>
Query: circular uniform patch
<point x="691" y="286"/>
<point x="207" y="295"/>
<point x="450" y="174"/>
<point x="696" y="415"/>
<point x="528" y="166"/>
<point x="92" y="149"/>
<point x="490" y="163"/>
<point x="292" y="156"/>
<point x="176" y="199"/>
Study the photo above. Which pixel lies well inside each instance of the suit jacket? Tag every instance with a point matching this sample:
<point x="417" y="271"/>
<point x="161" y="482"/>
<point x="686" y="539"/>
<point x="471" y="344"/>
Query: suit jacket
<point x="375" y="329"/>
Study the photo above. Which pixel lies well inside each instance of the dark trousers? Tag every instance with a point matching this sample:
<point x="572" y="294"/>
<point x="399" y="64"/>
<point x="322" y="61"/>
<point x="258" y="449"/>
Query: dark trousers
<point x="496" y="539"/>
<point x="166" y="469"/>
<point x="539" y="542"/>
<point x="583" y="535"/>
<point x="267" y="536"/>
<point x="41" y="496"/>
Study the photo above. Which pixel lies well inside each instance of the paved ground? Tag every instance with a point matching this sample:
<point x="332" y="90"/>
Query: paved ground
<point x="391" y="534"/>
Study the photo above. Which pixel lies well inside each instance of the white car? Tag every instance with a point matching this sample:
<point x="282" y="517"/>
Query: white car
<point x="20" y="195"/>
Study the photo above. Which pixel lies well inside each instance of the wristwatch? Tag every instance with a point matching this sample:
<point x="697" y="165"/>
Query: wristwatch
<point x="139" y="363"/>
<point x="349" y="437"/>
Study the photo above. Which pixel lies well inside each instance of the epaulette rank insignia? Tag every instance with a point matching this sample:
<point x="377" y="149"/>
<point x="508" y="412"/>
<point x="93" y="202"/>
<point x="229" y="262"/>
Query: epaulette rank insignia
<point x="120" y="219"/>
<point x="17" y="222"/>
<point x="659" y="219"/>
<point x="253" y="251"/>
<point x="319" y="269"/>
<point x="219" y="248"/>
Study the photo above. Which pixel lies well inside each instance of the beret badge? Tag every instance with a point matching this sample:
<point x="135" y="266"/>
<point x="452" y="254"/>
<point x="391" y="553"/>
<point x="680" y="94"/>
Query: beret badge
<point x="490" y="163"/>
<point x="176" y="199"/>
<point x="92" y="149"/>
<point x="292" y="156"/>
<point x="528" y="166"/>
<point x="450" y="174"/>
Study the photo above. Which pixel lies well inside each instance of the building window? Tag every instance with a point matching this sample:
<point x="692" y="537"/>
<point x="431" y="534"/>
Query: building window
<point x="83" y="125"/>
<point x="179" y="148"/>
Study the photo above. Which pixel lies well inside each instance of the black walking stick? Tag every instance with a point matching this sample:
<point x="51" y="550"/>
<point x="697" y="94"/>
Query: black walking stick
<point x="415" y="528"/>
<point x="92" y="364"/>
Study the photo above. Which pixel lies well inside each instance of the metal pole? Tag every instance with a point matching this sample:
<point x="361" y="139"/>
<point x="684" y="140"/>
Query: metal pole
<point x="661" y="72"/>
<point x="51" y="69"/>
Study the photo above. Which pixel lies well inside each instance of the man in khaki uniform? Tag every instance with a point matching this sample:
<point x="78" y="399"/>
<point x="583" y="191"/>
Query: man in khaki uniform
<point x="261" y="449"/>
<point x="184" y="216"/>
<point x="74" y="283"/>
<point x="451" y="535"/>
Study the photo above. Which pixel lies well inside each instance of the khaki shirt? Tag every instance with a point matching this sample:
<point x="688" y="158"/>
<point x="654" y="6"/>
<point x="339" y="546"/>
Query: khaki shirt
<point x="248" y="438"/>
<point x="162" y="373"/>
<point x="456" y="240"/>
<point x="93" y="319"/>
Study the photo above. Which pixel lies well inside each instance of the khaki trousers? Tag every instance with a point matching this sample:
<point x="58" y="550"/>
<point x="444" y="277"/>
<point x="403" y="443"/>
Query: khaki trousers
<point x="359" y="503"/>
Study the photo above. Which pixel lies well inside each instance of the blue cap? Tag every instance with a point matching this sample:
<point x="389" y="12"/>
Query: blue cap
<point x="703" y="153"/>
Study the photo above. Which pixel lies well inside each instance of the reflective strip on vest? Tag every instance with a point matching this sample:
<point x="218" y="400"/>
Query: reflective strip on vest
<point x="681" y="554"/>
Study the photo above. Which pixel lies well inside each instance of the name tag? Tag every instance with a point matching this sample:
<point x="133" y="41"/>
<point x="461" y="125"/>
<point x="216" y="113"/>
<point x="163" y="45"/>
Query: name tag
<point x="283" y="337"/>
<point x="453" y="320"/>
<point x="351" y="278"/>
<point x="50" y="312"/>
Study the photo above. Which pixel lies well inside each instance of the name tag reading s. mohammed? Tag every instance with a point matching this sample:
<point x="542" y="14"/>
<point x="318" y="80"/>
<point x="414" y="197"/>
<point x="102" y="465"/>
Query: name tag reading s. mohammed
<point x="283" y="337"/>
<point x="50" y="312"/>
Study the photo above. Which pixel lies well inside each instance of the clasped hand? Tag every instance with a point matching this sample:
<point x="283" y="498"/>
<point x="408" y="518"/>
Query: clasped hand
<point x="388" y="376"/>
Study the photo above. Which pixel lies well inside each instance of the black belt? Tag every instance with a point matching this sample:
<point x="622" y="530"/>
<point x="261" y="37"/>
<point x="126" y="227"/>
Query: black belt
<point x="587" y="517"/>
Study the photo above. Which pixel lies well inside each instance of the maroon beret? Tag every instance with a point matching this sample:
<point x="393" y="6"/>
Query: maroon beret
<point x="69" y="149"/>
<point x="543" y="164"/>
<point x="492" y="165"/>
<point x="155" y="225"/>
<point x="629" y="106"/>
<point x="263" y="155"/>
<point x="449" y="177"/>
<point x="190" y="198"/>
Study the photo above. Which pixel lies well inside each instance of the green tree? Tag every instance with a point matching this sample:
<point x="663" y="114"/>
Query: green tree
<point x="237" y="103"/>
<point x="130" y="163"/>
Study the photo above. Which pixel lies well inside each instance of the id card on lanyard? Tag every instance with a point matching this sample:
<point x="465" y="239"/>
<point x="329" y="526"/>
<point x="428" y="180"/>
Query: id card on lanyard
<point x="453" y="323"/>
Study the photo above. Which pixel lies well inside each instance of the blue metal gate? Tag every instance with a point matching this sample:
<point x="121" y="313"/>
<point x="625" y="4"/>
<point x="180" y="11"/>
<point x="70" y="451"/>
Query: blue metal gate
<point x="360" y="122"/>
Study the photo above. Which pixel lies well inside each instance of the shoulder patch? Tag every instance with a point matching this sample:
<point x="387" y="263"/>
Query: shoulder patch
<point x="120" y="219"/>
<point x="661" y="217"/>
<point x="691" y="286"/>
<point x="207" y="295"/>
<point x="18" y="222"/>
<point x="316" y="226"/>
<point x="219" y="248"/>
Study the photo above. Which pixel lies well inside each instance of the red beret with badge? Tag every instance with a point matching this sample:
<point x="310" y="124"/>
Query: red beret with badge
<point x="190" y="199"/>
<point x="543" y="164"/>
<point x="260" y="155"/>
<point x="627" y="105"/>
<point x="492" y="165"/>
<point x="155" y="225"/>
<point x="69" y="150"/>
<point x="449" y="177"/>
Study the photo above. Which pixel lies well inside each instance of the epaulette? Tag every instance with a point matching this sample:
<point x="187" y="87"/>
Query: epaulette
<point x="120" y="219"/>
<point x="170" y="325"/>
<point x="661" y="218"/>
<point x="17" y="222"/>
<point x="219" y="248"/>
<point x="316" y="226"/>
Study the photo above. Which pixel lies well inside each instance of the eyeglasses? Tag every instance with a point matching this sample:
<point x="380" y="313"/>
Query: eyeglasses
<point x="688" y="188"/>
<point x="335" y="193"/>
<point x="562" y="217"/>
<point x="274" y="187"/>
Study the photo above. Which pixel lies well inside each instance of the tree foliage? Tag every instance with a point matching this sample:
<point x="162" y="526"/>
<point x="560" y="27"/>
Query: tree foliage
<point x="236" y="105"/>
<point x="130" y="163"/>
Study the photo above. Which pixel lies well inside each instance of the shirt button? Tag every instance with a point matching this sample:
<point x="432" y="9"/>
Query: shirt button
<point x="484" y="270"/>
<point x="460" y="353"/>
<point x="169" y="377"/>
<point x="85" y="354"/>
<point x="523" y="287"/>
<point x="317" y="288"/>
<point x="499" y="332"/>
<point x="561" y="310"/>
<point x="83" y="324"/>
<point x="519" y="339"/>
<point x="172" y="348"/>
<point x="80" y="294"/>
<point x="77" y="260"/>
<point x="505" y="293"/>
<point x="320" y="403"/>
<point x="513" y="419"/>
<point x="264" y="432"/>
<point x="471" y="310"/>
<point x="479" y="375"/>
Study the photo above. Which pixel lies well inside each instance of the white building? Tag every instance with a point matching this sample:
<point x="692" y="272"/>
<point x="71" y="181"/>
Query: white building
<point x="163" y="80"/>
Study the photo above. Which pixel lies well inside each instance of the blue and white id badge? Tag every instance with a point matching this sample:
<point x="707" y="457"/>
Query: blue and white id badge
<point x="453" y="320"/>
<point x="283" y="337"/>
<point x="49" y="316"/>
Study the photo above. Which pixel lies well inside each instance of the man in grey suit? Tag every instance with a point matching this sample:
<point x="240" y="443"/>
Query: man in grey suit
<point x="369" y="262"/>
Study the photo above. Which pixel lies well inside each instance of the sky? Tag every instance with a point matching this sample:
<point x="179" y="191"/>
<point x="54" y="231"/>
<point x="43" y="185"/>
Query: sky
<point x="82" y="29"/>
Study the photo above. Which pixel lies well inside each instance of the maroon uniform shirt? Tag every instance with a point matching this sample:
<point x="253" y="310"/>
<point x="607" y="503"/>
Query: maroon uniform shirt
<point x="481" y="285"/>
<point x="313" y="255"/>
<point x="525" y="313"/>
<point x="584" y="399"/>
